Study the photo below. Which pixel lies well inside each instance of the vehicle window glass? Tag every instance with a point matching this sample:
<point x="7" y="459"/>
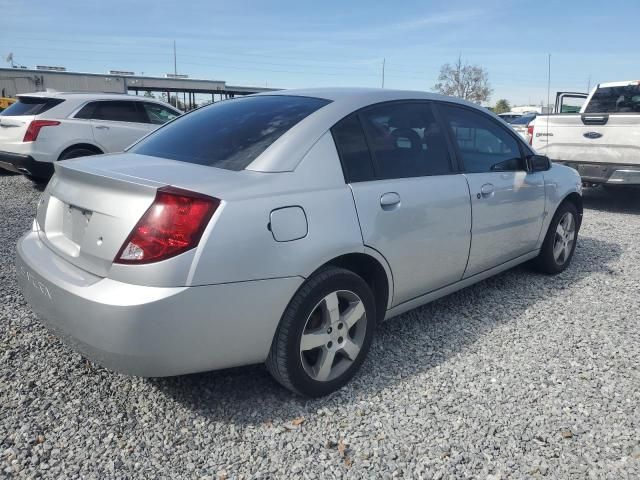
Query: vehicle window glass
<point x="117" y="111"/>
<point x="623" y="99"/>
<point x="86" y="112"/>
<point x="353" y="150"/>
<point x="524" y="120"/>
<point x="483" y="144"/>
<point x="406" y="140"/>
<point x="571" y="104"/>
<point x="229" y="134"/>
<point x="158" y="114"/>
<point x="30" y="106"/>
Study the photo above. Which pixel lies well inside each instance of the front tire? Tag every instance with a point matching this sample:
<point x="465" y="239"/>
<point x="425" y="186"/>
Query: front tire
<point x="561" y="239"/>
<point x="324" y="334"/>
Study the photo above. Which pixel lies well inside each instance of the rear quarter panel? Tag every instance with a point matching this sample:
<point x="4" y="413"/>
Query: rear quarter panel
<point x="239" y="246"/>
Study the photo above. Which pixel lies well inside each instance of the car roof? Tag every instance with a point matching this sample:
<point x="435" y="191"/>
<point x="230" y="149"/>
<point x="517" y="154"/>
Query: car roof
<point x="82" y="96"/>
<point x="364" y="95"/>
<point x="286" y="152"/>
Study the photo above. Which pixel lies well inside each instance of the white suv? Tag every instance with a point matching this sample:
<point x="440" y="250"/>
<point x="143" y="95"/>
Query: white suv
<point x="43" y="127"/>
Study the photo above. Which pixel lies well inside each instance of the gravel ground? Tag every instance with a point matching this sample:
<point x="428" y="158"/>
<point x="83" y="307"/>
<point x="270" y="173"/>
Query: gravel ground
<point x="520" y="376"/>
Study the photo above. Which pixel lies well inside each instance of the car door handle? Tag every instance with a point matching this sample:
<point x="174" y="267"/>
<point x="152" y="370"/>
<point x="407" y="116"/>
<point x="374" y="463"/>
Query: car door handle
<point x="486" y="190"/>
<point x="102" y="127"/>
<point x="390" y="201"/>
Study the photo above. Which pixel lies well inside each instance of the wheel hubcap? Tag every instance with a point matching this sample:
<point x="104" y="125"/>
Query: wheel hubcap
<point x="333" y="335"/>
<point x="564" y="238"/>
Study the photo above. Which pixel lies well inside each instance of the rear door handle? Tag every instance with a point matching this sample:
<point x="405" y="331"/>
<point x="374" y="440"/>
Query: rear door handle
<point x="390" y="201"/>
<point x="102" y="127"/>
<point x="486" y="190"/>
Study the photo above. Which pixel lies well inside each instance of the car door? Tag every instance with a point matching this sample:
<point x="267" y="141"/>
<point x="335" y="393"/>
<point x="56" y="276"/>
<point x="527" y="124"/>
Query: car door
<point x="116" y="124"/>
<point x="507" y="201"/>
<point x="412" y="206"/>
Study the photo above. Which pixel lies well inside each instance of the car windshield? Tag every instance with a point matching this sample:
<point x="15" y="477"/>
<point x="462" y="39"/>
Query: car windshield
<point x="230" y="134"/>
<point x="524" y="120"/>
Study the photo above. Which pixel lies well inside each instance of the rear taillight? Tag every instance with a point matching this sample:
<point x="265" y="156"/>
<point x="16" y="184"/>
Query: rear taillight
<point x="34" y="129"/>
<point x="172" y="225"/>
<point x="530" y="134"/>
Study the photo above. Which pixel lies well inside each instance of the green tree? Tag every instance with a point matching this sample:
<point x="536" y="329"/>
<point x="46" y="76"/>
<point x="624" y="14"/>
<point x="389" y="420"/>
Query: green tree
<point x="470" y="82"/>
<point x="502" y="106"/>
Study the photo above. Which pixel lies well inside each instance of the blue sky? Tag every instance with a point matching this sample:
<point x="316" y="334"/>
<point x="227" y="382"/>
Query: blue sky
<point x="339" y="43"/>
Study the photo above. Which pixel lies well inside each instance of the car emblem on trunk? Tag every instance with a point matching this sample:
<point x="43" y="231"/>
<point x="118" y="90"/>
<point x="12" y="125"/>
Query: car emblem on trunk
<point x="592" y="135"/>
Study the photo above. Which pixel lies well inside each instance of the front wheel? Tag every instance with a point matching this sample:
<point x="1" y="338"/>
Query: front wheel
<point x="560" y="242"/>
<point x="324" y="334"/>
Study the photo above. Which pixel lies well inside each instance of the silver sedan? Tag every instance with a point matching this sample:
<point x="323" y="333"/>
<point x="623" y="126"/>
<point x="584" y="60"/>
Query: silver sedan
<point x="284" y="227"/>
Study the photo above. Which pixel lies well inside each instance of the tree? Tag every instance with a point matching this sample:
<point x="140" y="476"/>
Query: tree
<point x="463" y="80"/>
<point x="149" y="94"/>
<point x="502" y="106"/>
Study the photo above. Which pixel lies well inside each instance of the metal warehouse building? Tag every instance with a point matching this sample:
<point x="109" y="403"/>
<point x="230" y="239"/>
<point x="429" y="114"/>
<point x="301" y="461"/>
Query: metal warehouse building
<point x="20" y="80"/>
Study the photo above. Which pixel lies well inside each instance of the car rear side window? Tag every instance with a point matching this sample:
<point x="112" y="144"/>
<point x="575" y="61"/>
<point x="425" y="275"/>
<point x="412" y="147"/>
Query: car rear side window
<point x="406" y="140"/>
<point x="353" y="150"/>
<point x="31" y="106"/>
<point x="118" y="111"/>
<point x="484" y="145"/>
<point x="622" y="99"/>
<point x="229" y="134"/>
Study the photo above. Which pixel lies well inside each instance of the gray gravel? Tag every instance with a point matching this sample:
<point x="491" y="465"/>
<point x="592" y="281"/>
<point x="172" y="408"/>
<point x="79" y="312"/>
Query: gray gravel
<point x="521" y="376"/>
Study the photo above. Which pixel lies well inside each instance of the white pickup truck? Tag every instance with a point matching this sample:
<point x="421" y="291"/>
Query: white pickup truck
<point x="602" y="141"/>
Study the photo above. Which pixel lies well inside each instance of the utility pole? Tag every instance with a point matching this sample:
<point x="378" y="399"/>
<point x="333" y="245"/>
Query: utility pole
<point x="383" y="62"/>
<point x="549" y="86"/>
<point x="589" y="84"/>
<point x="175" y="61"/>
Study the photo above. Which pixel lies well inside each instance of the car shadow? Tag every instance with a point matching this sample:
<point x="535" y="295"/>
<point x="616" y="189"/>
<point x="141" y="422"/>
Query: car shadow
<point x="614" y="199"/>
<point x="428" y="336"/>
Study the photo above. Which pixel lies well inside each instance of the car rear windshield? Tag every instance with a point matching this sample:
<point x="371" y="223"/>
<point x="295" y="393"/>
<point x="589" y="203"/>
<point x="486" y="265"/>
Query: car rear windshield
<point x="230" y="134"/>
<point x="524" y="120"/>
<point x="622" y="99"/>
<point x="31" y="106"/>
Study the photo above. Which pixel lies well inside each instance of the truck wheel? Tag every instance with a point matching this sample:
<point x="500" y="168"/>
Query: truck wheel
<point x="560" y="242"/>
<point x="324" y="334"/>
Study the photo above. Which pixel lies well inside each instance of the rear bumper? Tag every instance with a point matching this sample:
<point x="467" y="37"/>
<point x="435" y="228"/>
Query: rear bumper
<point x="26" y="164"/>
<point x="151" y="331"/>
<point x="611" y="174"/>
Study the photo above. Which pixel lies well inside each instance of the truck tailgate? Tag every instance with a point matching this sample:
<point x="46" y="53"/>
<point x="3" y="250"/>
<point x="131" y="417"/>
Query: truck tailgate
<point x="568" y="138"/>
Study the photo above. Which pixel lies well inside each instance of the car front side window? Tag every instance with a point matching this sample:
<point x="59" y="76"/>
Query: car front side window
<point x="483" y="144"/>
<point x="158" y="114"/>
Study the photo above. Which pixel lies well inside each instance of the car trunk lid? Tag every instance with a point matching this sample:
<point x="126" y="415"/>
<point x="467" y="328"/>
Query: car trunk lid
<point x="92" y="204"/>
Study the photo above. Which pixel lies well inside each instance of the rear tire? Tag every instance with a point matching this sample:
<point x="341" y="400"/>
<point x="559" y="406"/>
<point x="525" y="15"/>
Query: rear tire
<point x="560" y="242"/>
<point x="324" y="334"/>
<point x="77" y="152"/>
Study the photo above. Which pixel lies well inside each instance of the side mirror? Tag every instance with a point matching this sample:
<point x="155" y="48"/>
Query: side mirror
<point x="538" y="163"/>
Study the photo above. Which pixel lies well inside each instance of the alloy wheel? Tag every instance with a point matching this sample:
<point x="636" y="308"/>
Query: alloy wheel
<point x="564" y="238"/>
<point x="333" y="335"/>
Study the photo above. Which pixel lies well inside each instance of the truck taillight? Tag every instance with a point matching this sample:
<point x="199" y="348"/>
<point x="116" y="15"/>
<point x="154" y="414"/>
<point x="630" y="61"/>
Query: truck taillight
<point x="173" y="224"/>
<point x="530" y="134"/>
<point x="34" y="129"/>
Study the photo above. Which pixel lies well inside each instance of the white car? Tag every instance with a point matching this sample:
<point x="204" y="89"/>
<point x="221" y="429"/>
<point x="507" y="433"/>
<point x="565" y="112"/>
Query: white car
<point x="42" y="128"/>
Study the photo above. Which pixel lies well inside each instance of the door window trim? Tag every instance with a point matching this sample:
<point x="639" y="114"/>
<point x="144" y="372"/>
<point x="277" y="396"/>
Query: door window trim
<point x="522" y="147"/>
